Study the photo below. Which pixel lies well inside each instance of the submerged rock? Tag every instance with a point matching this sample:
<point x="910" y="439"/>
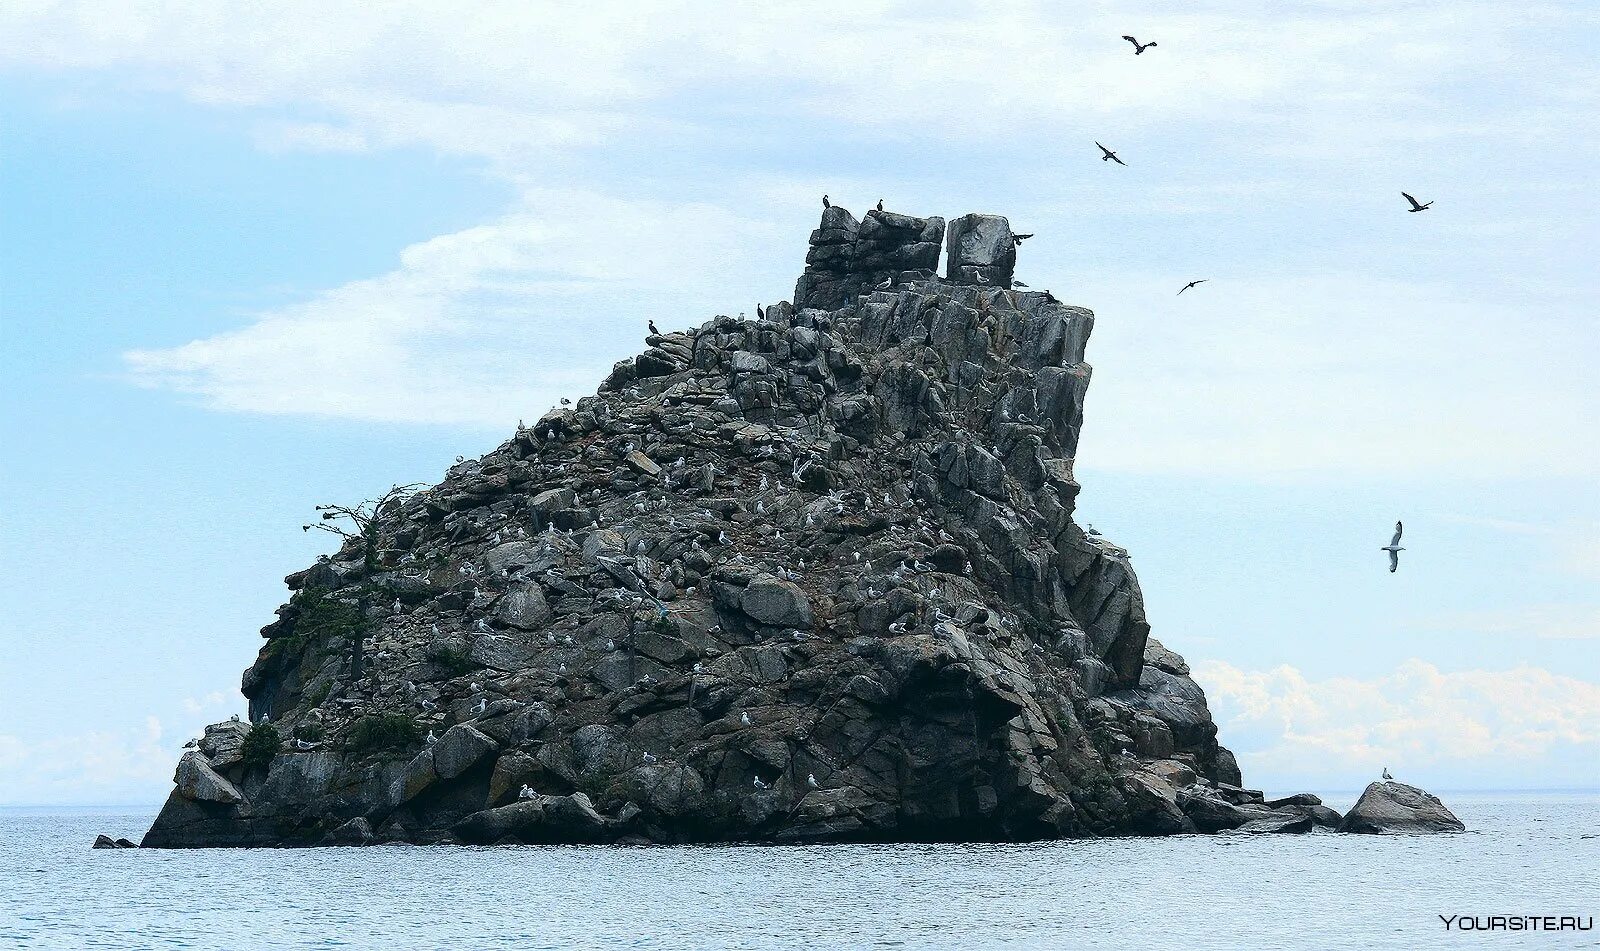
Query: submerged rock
<point x="1391" y="807"/>
<point x="808" y="577"/>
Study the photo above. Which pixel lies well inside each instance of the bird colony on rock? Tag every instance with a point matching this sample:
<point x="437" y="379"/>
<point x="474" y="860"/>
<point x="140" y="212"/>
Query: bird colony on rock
<point x="810" y="577"/>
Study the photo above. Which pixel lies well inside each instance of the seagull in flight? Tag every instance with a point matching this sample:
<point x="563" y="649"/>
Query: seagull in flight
<point x="1109" y="155"/>
<point x="1019" y="238"/>
<point x="1416" y="206"/>
<point x="1192" y="284"/>
<point x="1138" y="47"/>
<point x="1394" y="549"/>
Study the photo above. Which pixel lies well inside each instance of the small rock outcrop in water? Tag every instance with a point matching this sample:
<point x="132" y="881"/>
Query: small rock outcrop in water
<point x="1391" y="807"/>
<point x="812" y="577"/>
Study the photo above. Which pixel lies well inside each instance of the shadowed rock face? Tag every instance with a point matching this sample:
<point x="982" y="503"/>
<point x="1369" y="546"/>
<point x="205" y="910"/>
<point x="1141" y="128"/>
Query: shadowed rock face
<point x="808" y="578"/>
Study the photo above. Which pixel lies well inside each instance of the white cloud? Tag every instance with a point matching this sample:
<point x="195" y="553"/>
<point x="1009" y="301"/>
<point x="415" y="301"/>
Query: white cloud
<point x="1526" y="722"/>
<point x="477" y="69"/>
<point x="1281" y="375"/>
<point x="479" y="327"/>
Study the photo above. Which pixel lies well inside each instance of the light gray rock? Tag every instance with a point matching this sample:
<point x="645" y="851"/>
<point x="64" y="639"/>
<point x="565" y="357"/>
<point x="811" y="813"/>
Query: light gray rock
<point x="197" y="781"/>
<point x="357" y="831"/>
<point x="223" y="742"/>
<point x="1281" y="822"/>
<point x="776" y="602"/>
<point x="1391" y="807"/>
<point x="541" y="819"/>
<point x="641" y="463"/>
<point x="461" y="747"/>
<point x="523" y="606"/>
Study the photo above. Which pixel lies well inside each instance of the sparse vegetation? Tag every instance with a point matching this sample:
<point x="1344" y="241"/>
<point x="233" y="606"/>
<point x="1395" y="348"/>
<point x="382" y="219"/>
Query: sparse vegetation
<point x="318" y="693"/>
<point x="260" y="746"/>
<point x="357" y="526"/>
<point x="452" y="657"/>
<point x="382" y="731"/>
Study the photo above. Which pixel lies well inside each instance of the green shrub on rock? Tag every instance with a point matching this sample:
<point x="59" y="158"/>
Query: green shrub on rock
<point x="382" y="731"/>
<point x="260" y="746"/>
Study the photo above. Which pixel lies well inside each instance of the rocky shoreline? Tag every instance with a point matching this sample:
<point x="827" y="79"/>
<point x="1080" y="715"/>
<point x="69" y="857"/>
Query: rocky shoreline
<point x="808" y="577"/>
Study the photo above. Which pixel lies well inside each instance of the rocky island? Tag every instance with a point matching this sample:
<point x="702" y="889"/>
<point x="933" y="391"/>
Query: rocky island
<point x="808" y="577"/>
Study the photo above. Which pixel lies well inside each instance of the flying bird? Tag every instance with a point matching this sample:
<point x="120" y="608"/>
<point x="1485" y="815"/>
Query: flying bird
<point x="1019" y="238"/>
<point x="1138" y="47"/>
<point x="1394" y="549"/>
<point x="1110" y="156"/>
<point x="1416" y="206"/>
<point x="1192" y="284"/>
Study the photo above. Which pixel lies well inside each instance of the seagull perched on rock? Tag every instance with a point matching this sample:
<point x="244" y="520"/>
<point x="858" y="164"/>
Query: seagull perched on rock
<point x="1394" y="549"/>
<point x="1109" y="155"/>
<point x="759" y="784"/>
<point x="649" y="757"/>
<point x="811" y="780"/>
<point x="744" y="719"/>
<point x="526" y="792"/>
<point x="1192" y="284"/>
<point x="1415" y="205"/>
<point x="1386" y="773"/>
<point x="1019" y="284"/>
<point x="1138" y="47"/>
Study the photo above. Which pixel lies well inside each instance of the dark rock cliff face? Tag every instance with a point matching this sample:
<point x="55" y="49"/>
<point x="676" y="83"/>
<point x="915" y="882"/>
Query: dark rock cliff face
<point x="811" y="577"/>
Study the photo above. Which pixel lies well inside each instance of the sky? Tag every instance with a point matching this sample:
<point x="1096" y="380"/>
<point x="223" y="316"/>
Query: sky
<point x="258" y="257"/>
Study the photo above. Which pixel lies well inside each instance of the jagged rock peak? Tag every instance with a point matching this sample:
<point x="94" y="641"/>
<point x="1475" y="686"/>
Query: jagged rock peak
<point x="847" y="258"/>
<point x="808" y="577"/>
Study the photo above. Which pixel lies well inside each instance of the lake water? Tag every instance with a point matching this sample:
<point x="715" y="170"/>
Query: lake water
<point x="1527" y="854"/>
